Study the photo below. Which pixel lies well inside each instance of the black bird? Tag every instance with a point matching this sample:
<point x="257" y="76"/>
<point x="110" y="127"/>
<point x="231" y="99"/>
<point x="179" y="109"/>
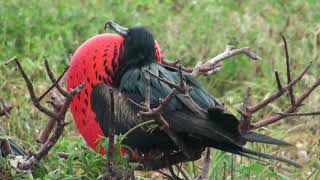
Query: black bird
<point x="199" y="125"/>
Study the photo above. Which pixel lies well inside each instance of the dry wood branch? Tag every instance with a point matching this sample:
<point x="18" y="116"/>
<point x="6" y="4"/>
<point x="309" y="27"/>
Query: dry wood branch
<point x="54" y="80"/>
<point x="213" y="65"/>
<point x="206" y="166"/>
<point x="60" y="107"/>
<point x="33" y="97"/>
<point x="291" y="95"/>
<point x="245" y="120"/>
<point x="316" y="113"/>
<point x="156" y="113"/>
<point x="182" y="171"/>
<point x="111" y="135"/>
<point x="56" y="101"/>
<point x="173" y="174"/>
<point x="56" y="134"/>
<point x="248" y="111"/>
<point x="277" y="94"/>
<point x="291" y="109"/>
<point x="5" y="148"/>
<point x="276" y="74"/>
<point x="4" y="108"/>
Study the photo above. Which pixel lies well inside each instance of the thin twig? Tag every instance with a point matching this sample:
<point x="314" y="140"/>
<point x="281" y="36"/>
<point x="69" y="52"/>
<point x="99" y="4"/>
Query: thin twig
<point x="206" y="165"/>
<point x="4" y="108"/>
<point x="43" y="151"/>
<point x="111" y="133"/>
<point x="276" y="74"/>
<point x="279" y="93"/>
<point x="213" y="65"/>
<point x="33" y="97"/>
<point x="182" y="171"/>
<point x="290" y="89"/>
<point x="53" y="79"/>
<point x="291" y="109"/>
<point x="301" y="114"/>
<point x="58" y="115"/>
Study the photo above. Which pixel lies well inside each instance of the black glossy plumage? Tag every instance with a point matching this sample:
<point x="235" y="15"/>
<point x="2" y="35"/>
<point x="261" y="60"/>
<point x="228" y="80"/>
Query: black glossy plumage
<point x="207" y="126"/>
<point x="14" y="147"/>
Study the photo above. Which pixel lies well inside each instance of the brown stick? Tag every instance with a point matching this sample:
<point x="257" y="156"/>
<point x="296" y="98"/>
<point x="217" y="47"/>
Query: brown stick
<point x="4" y="108"/>
<point x="55" y="84"/>
<point x="291" y="109"/>
<point x="301" y="114"/>
<point x="213" y="65"/>
<point x="53" y="79"/>
<point x="183" y="172"/>
<point x="278" y="94"/>
<point x="111" y="134"/>
<point x="33" y="97"/>
<point x="206" y="165"/>
<point x="58" y="115"/>
<point x="291" y="95"/>
<point x="248" y="111"/>
<point x="276" y="74"/>
<point x="43" y="151"/>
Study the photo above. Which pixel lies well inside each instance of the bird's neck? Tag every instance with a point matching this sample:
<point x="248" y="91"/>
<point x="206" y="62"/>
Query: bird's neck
<point x="139" y="50"/>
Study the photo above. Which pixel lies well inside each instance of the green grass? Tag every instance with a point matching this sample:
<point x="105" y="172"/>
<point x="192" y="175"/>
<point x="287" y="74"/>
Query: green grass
<point x="190" y="31"/>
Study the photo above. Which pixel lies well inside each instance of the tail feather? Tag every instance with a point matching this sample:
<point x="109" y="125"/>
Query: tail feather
<point x="14" y="148"/>
<point x="267" y="156"/>
<point x="260" y="138"/>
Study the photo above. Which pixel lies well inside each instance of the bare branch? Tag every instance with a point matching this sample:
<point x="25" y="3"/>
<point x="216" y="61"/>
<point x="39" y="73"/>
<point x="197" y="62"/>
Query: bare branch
<point x="156" y="113"/>
<point x="301" y="114"/>
<point x="279" y="93"/>
<point x="60" y="108"/>
<point x="248" y="111"/>
<point x="183" y="172"/>
<point x="291" y="109"/>
<point x="291" y="95"/>
<point x="111" y="134"/>
<point x="43" y="151"/>
<point x="276" y="74"/>
<point x="245" y="119"/>
<point x="5" y="148"/>
<point x="213" y="65"/>
<point x="4" y="108"/>
<point x="206" y="165"/>
<point x="34" y="98"/>
<point x="54" y="80"/>
<point x="56" y="100"/>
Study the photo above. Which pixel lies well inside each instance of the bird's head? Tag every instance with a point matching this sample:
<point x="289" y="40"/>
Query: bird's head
<point x="140" y="47"/>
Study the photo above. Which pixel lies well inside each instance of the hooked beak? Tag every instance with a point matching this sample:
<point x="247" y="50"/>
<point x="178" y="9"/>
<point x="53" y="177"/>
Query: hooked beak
<point x="117" y="28"/>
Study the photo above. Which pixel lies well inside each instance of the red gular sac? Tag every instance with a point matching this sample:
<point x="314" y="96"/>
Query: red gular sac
<point x="95" y="61"/>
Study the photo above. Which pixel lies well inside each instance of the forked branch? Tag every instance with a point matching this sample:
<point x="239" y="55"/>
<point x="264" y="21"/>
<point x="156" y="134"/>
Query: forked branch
<point x="156" y="112"/>
<point x="4" y="108"/>
<point x="214" y="64"/>
<point x="58" y="113"/>
<point x="296" y="102"/>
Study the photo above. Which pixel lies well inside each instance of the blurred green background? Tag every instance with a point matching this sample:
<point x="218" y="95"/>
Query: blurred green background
<point x="189" y="31"/>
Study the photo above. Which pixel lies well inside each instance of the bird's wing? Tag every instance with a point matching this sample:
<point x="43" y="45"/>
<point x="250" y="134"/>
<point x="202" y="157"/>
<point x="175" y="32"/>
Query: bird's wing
<point x="181" y="113"/>
<point x="125" y="119"/>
